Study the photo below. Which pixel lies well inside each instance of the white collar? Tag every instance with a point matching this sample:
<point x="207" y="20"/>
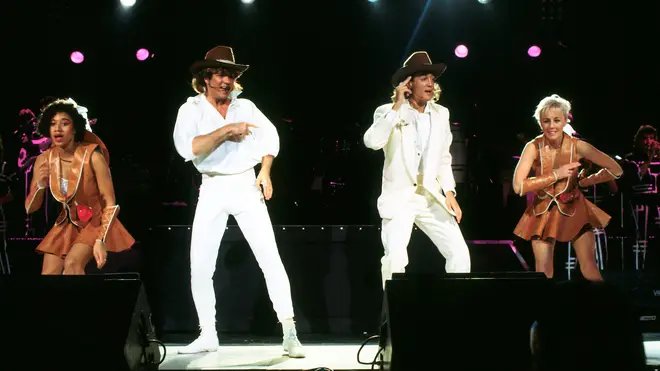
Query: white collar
<point x="427" y="108"/>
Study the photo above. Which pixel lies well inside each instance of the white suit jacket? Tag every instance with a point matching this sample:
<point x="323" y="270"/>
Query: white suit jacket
<point x="394" y="132"/>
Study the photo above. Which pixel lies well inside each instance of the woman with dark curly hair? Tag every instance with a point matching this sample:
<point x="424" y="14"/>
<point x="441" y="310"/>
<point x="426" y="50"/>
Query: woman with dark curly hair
<point x="76" y="170"/>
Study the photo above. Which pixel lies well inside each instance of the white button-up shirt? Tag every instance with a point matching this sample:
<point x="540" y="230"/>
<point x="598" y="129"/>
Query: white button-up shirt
<point x="423" y="127"/>
<point x="198" y="117"/>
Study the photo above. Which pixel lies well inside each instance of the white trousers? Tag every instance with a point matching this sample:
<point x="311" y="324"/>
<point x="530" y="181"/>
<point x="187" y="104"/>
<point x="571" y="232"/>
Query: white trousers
<point x="237" y="195"/>
<point x="435" y="222"/>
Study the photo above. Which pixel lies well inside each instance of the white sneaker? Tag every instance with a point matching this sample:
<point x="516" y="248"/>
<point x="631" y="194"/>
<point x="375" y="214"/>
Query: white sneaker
<point x="206" y="342"/>
<point x="291" y="344"/>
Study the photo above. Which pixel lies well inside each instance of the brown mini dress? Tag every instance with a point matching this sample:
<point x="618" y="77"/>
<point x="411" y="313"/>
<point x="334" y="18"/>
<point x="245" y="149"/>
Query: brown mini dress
<point x="80" y="221"/>
<point x="559" y="211"/>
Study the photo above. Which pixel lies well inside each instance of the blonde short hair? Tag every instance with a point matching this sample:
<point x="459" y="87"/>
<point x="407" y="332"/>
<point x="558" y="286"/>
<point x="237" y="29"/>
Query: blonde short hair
<point x="553" y="101"/>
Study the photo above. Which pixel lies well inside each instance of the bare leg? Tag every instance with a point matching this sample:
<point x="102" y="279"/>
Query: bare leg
<point x="584" y="250"/>
<point x="544" y="256"/>
<point x="77" y="259"/>
<point x="52" y="265"/>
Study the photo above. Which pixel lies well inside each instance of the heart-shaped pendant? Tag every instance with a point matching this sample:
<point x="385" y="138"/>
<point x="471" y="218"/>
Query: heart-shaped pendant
<point x="84" y="213"/>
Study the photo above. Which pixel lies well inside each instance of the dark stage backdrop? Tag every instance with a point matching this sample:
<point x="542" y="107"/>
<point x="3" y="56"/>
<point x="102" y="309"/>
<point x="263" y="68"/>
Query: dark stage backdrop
<point x="318" y="77"/>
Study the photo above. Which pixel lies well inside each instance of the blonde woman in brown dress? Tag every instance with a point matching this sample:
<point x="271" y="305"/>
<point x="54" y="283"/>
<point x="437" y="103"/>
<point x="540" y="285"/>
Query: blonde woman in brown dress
<point x="76" y="171"/>
<point x="560" y="212"/>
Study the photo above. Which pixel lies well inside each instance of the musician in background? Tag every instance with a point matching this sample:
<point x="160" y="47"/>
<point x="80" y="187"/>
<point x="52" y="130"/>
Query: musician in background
<point x="5" y="182"/>
<point x="639" y="186"/>
<point x="45" y="101"/>
<point x="6" y="196"/>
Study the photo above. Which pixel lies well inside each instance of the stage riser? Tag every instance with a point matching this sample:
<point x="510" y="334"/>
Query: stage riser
<point x="334" y="273"/>
<point x="489" y="316"/>
<point x="98" y="322"/>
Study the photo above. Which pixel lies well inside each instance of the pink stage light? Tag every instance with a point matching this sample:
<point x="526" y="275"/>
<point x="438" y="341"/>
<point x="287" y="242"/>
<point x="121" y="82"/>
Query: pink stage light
<point x="142" y="54"/>
<point x="77" y="57"/>
<point x="534" y="51"/>
<point x="461" y="51"/>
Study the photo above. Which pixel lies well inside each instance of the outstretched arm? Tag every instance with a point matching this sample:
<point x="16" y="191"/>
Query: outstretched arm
<point x="610" y="168"/>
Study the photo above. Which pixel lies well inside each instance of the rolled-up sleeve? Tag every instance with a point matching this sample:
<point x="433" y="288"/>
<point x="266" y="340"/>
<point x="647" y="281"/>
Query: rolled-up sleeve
<point x="185" y="130"/>
<point x="266" y="134"/>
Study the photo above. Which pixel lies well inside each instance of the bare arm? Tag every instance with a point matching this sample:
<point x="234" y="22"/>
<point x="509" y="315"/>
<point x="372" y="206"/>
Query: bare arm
<point x="266" y="163"/>
<point x="523" y="168"/>
<point x="103" y="179"/>
<point x="203" y="144"/>
<point x="35" y="198"/>
<point x="107" y="193"/>
<point x="610" y="168"/>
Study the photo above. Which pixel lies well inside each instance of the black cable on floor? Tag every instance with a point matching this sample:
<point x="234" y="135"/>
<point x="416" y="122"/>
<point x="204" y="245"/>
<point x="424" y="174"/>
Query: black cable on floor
<point x="375" y="360"/>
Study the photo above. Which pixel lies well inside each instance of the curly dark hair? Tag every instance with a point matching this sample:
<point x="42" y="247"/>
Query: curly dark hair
<point x="45" y="101"/>
<point x="62" y="106"/>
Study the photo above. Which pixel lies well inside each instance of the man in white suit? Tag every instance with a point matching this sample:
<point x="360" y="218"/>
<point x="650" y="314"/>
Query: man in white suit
<point x="418" y="183"/>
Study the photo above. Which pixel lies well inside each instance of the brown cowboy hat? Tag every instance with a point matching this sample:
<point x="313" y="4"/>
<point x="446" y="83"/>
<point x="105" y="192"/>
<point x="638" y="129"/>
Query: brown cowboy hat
<point x="417" y="62"/>
<point x="219" y="57"/>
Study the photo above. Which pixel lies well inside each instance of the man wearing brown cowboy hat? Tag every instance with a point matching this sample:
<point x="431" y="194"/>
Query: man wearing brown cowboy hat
<point x="225" y="138"/>
<point x="418" y="185"/>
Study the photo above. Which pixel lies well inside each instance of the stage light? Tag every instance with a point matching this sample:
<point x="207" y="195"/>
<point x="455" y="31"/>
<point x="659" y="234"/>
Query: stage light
<point x="247" y="1"/>
<point x="534" y="51"/>
<point x="461" y="51"/>
<point x="373" y="1"/>
<point x="142" y="54"/>
<point x="77" y="57"/>
<point x="127" y="3"/>
<point x="483" y="1"/>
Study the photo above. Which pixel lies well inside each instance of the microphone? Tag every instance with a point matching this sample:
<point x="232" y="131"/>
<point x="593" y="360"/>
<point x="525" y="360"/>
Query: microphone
<point x="223" y="86"/>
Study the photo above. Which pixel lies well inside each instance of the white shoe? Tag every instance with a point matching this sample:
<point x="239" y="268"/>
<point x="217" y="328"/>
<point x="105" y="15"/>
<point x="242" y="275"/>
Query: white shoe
<point x="206" y="342"/>
<point x="291" y="344"/>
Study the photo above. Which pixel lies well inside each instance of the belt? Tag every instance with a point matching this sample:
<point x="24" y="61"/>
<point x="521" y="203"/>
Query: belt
<point x="420" y="187"/>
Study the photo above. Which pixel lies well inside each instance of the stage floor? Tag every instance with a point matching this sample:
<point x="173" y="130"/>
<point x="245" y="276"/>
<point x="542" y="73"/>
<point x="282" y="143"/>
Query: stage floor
<point x="321" y="356"/>
<point x="267" y="354"/>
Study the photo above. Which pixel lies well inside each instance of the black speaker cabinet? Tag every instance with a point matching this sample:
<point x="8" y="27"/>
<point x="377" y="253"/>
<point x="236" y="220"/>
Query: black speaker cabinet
<point x="456" y="322"/>
<point x="95" y="322"/>
<point x="643" y="290"/>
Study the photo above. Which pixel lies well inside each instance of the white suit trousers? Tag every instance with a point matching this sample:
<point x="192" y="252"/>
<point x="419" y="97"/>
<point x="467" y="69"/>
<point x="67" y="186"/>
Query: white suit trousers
<point x="435" y="222"/>
<point x="237" y="195"/>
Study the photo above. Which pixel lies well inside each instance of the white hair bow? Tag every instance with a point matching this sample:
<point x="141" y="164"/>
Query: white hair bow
<point x="82" y="110"/>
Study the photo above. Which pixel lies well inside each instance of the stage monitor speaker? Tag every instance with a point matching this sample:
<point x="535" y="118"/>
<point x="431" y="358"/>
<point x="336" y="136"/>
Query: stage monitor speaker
<point x="643" y="290"/>
<point x="94" y="322"/>
<point x="476" y="321"/>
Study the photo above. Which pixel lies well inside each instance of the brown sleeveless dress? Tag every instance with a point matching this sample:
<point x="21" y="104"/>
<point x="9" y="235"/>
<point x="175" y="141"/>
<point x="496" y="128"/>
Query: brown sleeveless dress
<point x="560" y="211"/>
<point x="82" y="194"/>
